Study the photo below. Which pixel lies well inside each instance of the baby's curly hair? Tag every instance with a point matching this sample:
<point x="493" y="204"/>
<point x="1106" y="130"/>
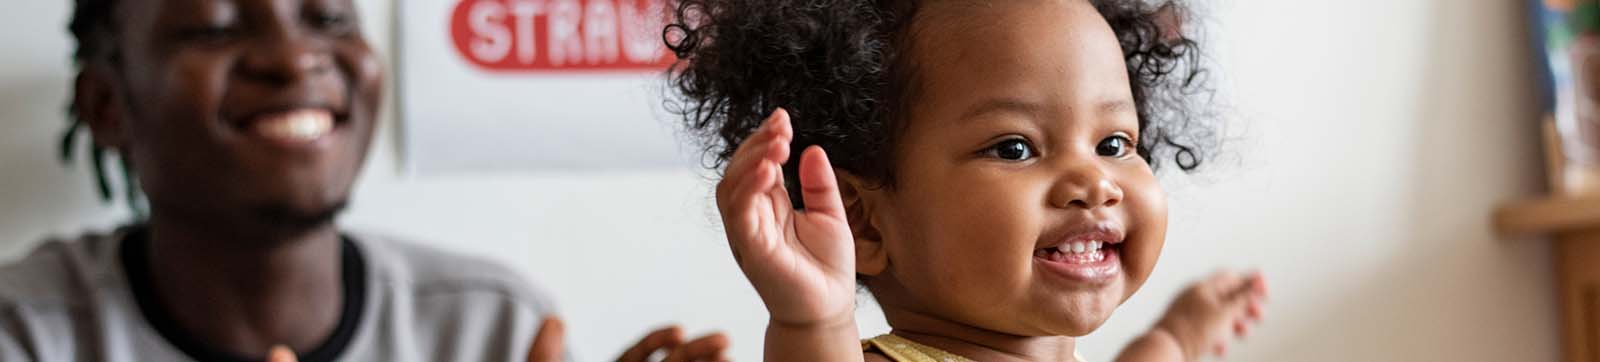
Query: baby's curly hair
<point x="840" y="67"/>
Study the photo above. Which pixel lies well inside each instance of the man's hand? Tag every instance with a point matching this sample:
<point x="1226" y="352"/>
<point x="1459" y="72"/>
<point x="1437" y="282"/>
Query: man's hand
<point x="549" y="341"/>
<point x="279" y="353"/>
<point x="707" y="348"/>
<point x="548" y="346"/>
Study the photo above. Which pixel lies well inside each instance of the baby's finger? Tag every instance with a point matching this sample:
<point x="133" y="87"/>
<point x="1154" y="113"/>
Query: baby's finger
<point x="1246" y="286"/>
<point x="818" y="185"/>
<point x="669" y="337"/>
<point x="782" y="206"/>
<point x="1223" y="282"/>
<point x="782" y="133"/>
<point x="1258" y="284"/>
<point x="748" y="214"/>
<point x="750" y="176"/>
<point x="1254" y="310"/>
<point x="712" y="347"/>
<point x="754" y="148"/>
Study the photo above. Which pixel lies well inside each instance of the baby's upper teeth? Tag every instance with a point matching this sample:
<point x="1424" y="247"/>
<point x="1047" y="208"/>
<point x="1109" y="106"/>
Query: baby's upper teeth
<point x="1080" y="247"/>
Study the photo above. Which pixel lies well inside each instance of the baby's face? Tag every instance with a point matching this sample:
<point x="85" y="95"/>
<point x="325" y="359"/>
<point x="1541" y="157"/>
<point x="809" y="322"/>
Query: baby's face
<point x="1019" y="150"/>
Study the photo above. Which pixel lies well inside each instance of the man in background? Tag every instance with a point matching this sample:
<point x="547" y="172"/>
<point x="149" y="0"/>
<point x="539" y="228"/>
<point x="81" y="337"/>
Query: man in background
<point x="244" y="123"/>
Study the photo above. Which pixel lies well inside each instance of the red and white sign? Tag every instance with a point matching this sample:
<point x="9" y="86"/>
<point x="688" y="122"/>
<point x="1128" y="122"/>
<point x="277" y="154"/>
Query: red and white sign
<point x="512" y="85"/>
<point x="561" y="35"/>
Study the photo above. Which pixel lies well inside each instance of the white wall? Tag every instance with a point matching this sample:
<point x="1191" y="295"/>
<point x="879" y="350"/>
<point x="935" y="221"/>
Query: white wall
<point x="1373" y="137"/>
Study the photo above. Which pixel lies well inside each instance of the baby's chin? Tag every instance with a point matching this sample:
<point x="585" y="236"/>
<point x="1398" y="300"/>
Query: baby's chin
<point x="1078" y="313"/>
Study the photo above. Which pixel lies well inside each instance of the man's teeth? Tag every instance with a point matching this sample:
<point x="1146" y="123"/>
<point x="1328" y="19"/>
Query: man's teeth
<point x="297" y="126"/>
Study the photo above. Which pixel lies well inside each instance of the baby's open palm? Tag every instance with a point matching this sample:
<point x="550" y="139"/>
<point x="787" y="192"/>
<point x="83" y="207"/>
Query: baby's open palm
<point x="802" y="263"/>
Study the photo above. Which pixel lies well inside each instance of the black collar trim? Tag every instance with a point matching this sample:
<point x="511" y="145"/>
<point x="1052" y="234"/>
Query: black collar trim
<point x="135" y="251"/>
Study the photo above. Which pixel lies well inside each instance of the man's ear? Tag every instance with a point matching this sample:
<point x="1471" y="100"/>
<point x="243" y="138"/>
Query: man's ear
<point x="97" y="101"/>
<point x="860" y="197"/>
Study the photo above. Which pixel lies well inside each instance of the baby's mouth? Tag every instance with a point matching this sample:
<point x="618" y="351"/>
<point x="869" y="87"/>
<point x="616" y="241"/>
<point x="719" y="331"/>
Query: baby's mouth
<point x="1086" y="256"/>
<point x="1078" y="252"/>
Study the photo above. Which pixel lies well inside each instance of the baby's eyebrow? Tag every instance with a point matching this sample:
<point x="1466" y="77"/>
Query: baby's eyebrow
<point x="1116" y="106"/>
<point x="1028" y="108"/>
<point x="1003" y="105"/>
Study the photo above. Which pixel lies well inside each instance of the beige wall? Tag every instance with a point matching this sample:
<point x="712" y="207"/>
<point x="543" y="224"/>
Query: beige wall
<point x="1370" y="140"/>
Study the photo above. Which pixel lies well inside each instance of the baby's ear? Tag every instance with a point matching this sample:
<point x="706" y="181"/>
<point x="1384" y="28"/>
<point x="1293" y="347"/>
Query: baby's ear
<point x="858" y="197"/>
<point x="1171" y="20"/>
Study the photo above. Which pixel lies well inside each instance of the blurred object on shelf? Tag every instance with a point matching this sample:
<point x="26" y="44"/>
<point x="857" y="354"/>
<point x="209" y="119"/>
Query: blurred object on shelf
<point x="1569" y="31"/>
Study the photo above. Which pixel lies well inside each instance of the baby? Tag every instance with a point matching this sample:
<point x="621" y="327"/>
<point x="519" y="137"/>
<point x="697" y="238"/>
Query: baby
<point x="983" y="168"/>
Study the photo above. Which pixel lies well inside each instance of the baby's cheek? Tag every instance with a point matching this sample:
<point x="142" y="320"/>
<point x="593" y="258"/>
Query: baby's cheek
<point x="1146" y="214"/>
<point x="982" y="250"/>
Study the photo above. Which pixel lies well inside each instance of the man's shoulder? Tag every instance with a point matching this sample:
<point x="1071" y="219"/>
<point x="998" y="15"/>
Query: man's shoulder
<point x="456" y="306"/>
<point x="430" y="273"/>
<point x="58" y="271"/>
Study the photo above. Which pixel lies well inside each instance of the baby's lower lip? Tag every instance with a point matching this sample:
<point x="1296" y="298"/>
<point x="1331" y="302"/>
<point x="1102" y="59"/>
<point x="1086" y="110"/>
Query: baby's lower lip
<point x="1093" y="267"/>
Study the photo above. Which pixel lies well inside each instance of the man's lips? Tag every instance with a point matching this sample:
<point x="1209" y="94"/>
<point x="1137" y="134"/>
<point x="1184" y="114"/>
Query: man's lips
<point x="303" y="125"/>
<point x="294" y="126"/>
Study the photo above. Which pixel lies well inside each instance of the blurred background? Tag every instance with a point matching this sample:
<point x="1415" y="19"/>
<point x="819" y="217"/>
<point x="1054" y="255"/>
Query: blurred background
<point x="1368" y="143"/>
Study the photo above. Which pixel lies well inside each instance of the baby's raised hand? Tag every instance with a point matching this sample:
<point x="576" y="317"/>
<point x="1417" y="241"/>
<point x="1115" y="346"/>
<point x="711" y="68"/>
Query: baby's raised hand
<point x="802" y="263"/>
<point x="1203" y="319"/>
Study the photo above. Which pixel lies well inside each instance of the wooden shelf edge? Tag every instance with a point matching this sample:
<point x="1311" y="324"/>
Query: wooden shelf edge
<point x="1547" y="216"/>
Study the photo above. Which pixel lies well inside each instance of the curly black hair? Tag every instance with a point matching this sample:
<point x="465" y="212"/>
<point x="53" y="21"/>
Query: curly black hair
<point x="840" y="67"/>
<point x="92" y="26"/>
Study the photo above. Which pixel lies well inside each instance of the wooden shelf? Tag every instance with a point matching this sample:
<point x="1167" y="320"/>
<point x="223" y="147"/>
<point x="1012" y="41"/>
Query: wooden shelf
<point x="1547" y="216"/>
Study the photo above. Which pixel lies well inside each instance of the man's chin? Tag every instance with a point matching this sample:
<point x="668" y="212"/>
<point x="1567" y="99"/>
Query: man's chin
<point x="301" y="217"/>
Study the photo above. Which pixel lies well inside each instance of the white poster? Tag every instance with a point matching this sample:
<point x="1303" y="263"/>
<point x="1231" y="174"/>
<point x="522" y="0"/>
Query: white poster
<point x="490" y="85"/>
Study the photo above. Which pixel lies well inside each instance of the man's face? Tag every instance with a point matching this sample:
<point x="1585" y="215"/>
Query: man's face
<point x="245" y="110"/>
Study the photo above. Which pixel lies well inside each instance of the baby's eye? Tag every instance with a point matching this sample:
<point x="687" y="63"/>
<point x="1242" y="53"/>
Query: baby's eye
<point x="1012" y="150"/>
<point x="1114" y="146"/>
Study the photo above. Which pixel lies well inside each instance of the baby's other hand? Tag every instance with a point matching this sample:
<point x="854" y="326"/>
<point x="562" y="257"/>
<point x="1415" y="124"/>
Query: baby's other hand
<point x="1207" y="313"/>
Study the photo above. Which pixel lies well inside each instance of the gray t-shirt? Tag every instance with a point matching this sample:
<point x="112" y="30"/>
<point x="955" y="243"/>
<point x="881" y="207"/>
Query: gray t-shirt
<point x="73" y="301"/>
